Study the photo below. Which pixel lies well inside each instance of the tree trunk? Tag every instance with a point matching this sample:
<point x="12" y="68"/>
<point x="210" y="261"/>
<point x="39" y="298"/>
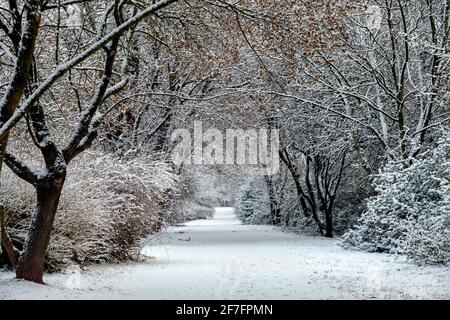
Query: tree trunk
<point x="31" y="261"/>
<point x="284" y="156"/>
<point x="329" y="223"/>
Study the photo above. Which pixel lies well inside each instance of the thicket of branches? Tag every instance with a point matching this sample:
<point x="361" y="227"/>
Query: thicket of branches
<point x="107" y="208"/>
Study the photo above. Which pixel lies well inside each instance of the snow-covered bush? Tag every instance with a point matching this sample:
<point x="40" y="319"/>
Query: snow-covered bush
<point x="195" y="198"/>
<point x="411" y="212"/>
<point x="252" y="205"/>
<point x="108" y="205"/>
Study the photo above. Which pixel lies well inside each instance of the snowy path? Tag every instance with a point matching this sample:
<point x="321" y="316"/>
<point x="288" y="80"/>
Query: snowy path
<point x="222" y="259"/>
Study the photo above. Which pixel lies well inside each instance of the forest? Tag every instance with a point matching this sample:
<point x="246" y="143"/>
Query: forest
<point x="119" y="120"/>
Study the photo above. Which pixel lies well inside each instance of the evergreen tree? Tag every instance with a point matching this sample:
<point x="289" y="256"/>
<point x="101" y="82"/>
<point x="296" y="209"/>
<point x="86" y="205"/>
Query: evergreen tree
<point x="411" y="213"/>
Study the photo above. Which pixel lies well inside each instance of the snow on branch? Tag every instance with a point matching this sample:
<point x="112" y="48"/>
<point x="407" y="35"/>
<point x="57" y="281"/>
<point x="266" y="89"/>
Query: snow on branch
<point x="20" y="169"/>
<point x="61" y="70"/>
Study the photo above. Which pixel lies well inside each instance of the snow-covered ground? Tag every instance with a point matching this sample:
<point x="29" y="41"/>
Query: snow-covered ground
<point x="222" y="259"/>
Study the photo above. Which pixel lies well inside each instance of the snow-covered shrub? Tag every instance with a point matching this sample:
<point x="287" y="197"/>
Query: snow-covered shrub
<point x="428" y="240"/>
<point x="107" y="207"/>
<point x="411" y="212"/>
<point x="252" y="205"/>
<point x="190" y="209"/>
<point x="246" y="203"/>
<point x="194" y="200"/>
